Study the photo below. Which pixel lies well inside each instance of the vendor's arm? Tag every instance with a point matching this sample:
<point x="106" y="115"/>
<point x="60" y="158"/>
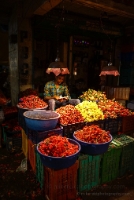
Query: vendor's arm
<point x="66" y="92"/>
<point x="51" y="97"/>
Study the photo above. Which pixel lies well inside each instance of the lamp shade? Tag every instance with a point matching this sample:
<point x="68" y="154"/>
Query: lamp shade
<point x="57" y="68"/>
<point x="109" y="70"/>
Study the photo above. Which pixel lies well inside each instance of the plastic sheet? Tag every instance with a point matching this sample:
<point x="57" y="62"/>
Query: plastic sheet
<point x="23" y="166"/>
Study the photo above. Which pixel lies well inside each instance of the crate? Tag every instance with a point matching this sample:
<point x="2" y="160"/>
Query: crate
<point x="122" y="93"/>
<point x="100" y="123"/>
<point x="24" y="143"/>
<point x="118" y="92"/>
<point x="127" y="124"/>
<point x="69" y="129"/>
<point x="127" y="155"/>
<point x="109" y="169"/>
<point x="14" y="141"/>
<point x="39" y="170"/>
<point x="88" y="172"/>
<point x="61" y="184"/>
<point x="113" y="125"/>
<point x="31" y="155"/>
<point x="37" y="136"/>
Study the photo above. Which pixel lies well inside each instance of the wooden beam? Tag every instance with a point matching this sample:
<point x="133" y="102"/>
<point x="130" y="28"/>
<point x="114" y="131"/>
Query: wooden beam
<point x="47" y="6"/>
<point x="30" y="6"/>
<point x="108" y="6"/>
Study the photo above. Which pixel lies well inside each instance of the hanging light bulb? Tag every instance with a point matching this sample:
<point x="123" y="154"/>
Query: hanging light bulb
<point x="109" y="69"/>
<point x="58" y="67"/>
<point x="75" y="71"/>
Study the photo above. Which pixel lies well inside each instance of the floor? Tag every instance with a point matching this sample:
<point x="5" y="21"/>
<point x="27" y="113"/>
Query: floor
<point x="15" y="184"/>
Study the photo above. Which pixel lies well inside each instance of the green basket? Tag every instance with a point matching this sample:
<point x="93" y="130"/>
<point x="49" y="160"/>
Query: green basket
<point x="39" y="170"/>
<point x="88" y="172"/>
<point x="127" y="156"/>
<point x="110" y="163"/>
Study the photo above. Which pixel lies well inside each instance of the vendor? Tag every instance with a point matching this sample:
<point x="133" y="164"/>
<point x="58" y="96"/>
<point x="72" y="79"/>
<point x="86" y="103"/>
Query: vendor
<point x="57" y="94"/>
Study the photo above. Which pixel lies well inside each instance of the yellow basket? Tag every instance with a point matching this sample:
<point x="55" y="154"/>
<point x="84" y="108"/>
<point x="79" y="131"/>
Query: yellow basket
<point x="24" y="143"/>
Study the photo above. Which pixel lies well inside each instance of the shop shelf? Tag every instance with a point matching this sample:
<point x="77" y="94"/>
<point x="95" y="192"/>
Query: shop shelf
<point x="31" y="155"/>
<point x="109" y="169"/>
<point x="61" y="184"/>
<point x="113" y="125"/>
<point x="127" y="155"/>
<point x="38" y="136"/>
<point x="69" y="129"/>
<point x="24" y="143"/>
<point x="88" y="172"/>
<point x="39" y="170"/>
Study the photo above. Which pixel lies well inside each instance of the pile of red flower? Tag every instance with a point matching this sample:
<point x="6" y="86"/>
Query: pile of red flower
<point x="93" y="134"/>
<point x="112" y="109"/>
<point x="31" y="102"/>
<point x="57" y="146"/>
<point x="9" y="109"/>
<point x="69" y="115"/>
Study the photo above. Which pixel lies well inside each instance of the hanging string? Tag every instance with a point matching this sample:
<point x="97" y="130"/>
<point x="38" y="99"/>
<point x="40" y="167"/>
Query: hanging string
<point x="58" y="25"/>
<point x="111" y="41"/>
<point x="102" y="26"/>
<point x="58" y="56"/>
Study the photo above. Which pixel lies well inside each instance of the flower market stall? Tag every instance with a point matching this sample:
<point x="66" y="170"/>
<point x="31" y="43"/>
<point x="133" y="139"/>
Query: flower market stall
<point x="82" y="147"/>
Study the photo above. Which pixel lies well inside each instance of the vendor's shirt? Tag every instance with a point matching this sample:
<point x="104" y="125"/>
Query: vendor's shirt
<point x="50" y="90"/>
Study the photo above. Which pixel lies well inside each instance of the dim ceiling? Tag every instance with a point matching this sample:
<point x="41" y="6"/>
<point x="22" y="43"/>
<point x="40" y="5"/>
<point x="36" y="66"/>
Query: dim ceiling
<point x="76" y="16"/>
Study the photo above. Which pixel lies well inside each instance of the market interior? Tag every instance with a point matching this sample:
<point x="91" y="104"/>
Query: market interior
<point x="93" y="141"/>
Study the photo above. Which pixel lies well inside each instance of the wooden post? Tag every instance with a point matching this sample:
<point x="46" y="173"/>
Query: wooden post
<point x="13" y="57"/>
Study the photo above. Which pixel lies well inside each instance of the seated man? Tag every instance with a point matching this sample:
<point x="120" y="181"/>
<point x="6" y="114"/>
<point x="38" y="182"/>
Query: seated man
<point x="57" y="94"/>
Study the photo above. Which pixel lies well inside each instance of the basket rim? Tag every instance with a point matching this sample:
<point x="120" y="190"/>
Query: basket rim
<point x="46" y="111"/>
<point x="52" y="157"/>
<point x="92" y="143"/>
<point x="76" y="123"/>
<point x="31" y="108"/>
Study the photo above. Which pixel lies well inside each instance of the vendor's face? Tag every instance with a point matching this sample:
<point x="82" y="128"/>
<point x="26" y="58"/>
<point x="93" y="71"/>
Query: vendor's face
<point x="60" y="79"/>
